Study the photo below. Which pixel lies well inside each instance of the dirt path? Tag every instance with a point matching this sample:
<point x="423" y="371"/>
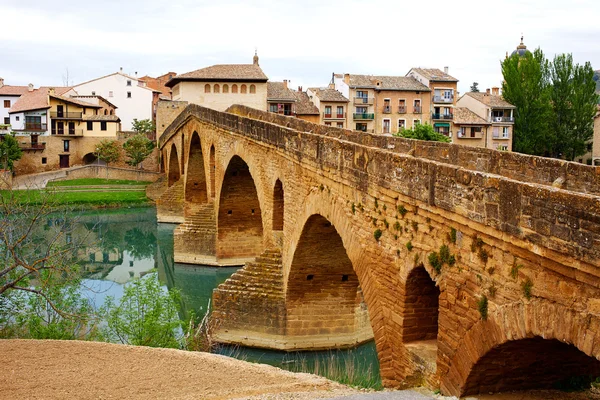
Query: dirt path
<point x="47" y="369"/>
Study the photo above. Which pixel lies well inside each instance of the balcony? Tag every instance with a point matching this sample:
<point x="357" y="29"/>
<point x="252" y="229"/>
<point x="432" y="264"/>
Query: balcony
<point x="401" y="109"/>
<point x="363" y="100"/>
<point x="334" y="116"/>
<point x="365" y="130"/>
<point x="417" y="110"/>
<point x="32" y="146"/>
<point x="65" y="115"/>
<point x="363" y="116"/>
<point x="502" y="119"/>
<point x="68" y="132"/>
<point x="442" y="99"/>
<point x="387" y="109"/>
<point x="442" y="116"/>
<point x="34" y="126"/>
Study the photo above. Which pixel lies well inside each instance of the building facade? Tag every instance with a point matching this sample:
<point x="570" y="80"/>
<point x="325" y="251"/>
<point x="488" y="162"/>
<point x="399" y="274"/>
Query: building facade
<point x="332" y="106"/>
<point x="131" y="95"/>
<point x="8" y="97"/>
<point x="470" y="128"/>
<point x="498" y="112"/>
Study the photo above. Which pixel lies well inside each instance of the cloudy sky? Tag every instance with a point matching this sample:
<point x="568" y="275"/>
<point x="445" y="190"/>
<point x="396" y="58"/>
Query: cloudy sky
<point x="303" y="41"/>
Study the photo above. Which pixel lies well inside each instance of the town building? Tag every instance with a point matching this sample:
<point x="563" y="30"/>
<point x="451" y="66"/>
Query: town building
<point x="305" y="108"/>
<point x="383" y="104"/>
<point x="281" y="99"/>
<point x="443" y="100"/>
<point x="497" y="111"/>
<point x="130" y="94"/>
<point x="8" y="97"/>
<point x="220" y="86"/>
<point x="331" y="104"/>
<point x="470" y="128"/>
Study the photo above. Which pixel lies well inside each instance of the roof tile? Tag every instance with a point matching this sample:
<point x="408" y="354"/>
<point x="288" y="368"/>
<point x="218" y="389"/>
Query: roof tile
<point x="379" y="82"/>
<point x="326" y="94"/>
<point x="464" y="116"/>
<point x="434" y="74"/>
<point x="492" y="100"/>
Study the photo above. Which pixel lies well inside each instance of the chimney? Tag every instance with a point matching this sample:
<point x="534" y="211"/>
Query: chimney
<point x="255" y="58"/>
<point x="121" y="69"/>
<point x="332" y="85"/>
<point x="487" y="91"/>
<point x="51" y="91"/>
<point x="495" y="91"/>
<point x="285" y="83"/>
<point x="30" y="87"/>
<point x="300" y="88"/>
<point x="446" y="70"/>
<point x="347" y="79"/>
<point x="1" y="82"/>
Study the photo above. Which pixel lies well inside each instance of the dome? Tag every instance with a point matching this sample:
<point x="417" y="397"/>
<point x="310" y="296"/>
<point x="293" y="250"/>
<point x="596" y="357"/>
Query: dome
<point x="521" y="49"/>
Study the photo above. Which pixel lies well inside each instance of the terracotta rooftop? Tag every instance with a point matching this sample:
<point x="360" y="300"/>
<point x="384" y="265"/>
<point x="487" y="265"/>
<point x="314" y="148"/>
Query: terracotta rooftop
<point x="159" y="83"/>
<point x="434" y="74"/>
<point x="34" y="100"/>
<point x="303" y="104"/>
<point x="279" y="91"/>
<point x="84" y="97"/>
<point x="387" y="83"/>
<point x="75" y="101"/>
<point x="326" y="94"/>
<point x="464" y="116"/>
<point x="8" y="90"/>
<point x="492" y="100"/>
<point x="223" y="72"/>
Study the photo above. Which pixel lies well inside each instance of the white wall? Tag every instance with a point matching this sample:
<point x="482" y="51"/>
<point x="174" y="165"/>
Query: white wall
<point x="4" y="111"/>
<point x="138" y="106"/>
<point x="193" y="92"/>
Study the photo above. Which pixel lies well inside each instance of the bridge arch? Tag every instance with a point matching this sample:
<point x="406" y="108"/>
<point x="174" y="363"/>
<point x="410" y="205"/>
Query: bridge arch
<point x="421" y="306"/>
<point x="195" y="178"/>
<point x="524" y="346"/>
<point x="174" y="173"/>
<point x="278" y="206"/>
<point x="213" y="168"/>
<point x="239" y="216"/>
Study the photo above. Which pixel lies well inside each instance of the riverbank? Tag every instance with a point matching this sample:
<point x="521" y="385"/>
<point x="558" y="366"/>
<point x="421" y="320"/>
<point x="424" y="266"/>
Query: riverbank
<point x="50" y="369"/>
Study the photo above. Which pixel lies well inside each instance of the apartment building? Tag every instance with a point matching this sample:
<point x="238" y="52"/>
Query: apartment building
<point x="8" y="97"/>
<point x="384" y="104"/>
<point x="471" y="129"/>
<point x="281" y="99"/>
<point x="443" y="100"/>
<point x="331" y="104"/>
<point x="498" y="112"/>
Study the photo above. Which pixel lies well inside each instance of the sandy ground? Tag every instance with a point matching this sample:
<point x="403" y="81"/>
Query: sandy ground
<point x="47" y="369"/>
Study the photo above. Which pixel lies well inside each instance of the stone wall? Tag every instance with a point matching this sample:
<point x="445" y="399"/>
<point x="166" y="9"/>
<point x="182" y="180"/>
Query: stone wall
<point x="166" y="112"/>
<point x="95" y="171"/>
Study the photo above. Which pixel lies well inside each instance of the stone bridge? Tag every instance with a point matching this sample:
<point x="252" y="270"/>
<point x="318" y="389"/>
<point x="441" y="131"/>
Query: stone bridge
<point x="473" y="270"/>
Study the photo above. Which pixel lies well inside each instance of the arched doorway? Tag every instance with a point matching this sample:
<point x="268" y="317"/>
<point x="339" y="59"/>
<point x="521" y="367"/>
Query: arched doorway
<point x="278" y="206"/>
<point x="91" y="159"/>
<point x="174" y="173"/>
<point x="421" y="303"/>
<point x="240" y="229"/>
<point x="195" y="187"/>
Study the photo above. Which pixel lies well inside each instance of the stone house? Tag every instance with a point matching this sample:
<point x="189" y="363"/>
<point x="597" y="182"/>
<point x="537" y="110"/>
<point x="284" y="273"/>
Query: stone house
<point x="220" y="86"/>
<point x="497" y="111"/>
<point x="285" y="101"/>
<point x="470" y="128"/>
<point x="443" y="100"/>
<point x="8" y="97"/>
<point x="332" y="106"/>
<point x="383" y="104"/>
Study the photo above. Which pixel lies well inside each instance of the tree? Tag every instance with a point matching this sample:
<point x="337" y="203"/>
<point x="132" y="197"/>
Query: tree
<point x="574" y="104"/>
<point x="474" y="87"/>
<point x="109" y="151"/>
<point x="145" y="316"/>
<point x="9" y="152"/>
<point x="138" y="148"/>
<point x="143" y="126"/>
<point x="422" y="132"/>
<point x="526" y="87"/>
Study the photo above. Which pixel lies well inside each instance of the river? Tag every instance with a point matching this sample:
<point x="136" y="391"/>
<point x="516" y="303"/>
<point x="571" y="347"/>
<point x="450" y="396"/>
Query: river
<point x="125" y="244"/>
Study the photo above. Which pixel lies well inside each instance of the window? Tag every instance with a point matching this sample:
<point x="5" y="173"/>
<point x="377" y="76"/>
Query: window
<point x="66" y="145"/>
<point x="444" y="130"/>
<point x="111" y="112"/>
<point x="128" y="82"/>
<point x="327" y="123"/>
<point x="102" y="125"/>
<point x="504" y="147"/>
<point x="44" y="160"/>
<point x="495" y="133"/>
<point x="7" y="120"/>
<point x="461" y="132"/>
<point x="207" y="88"/>
<point x="401" y="124"/>
<point x="327" y="111"/>
<point x="273" y="107"/>
<point x="362" y="94"/>
<point x="448" y="94"/>
<point x="6" y="103"/>
<point x="17" y="118"/>
<point x="217" y="88"/>
<point x="476" y="131"/>
<point x="386" y="125"/>
<point x="340" y="124"/>
<point x="225" y="88"/>
<point x="105" y="112"/>
<point x="252" y="89"/>
<point x="243" y="89"/>
<point x="93" y="93"/>
<point x="505" y="132"/>
<point x="340" y="112"/>
<point x="234" y="88"/>
<point x="417" y="106"/>
<point x="386" y="106"/>
<point x="110" y="94"/>
<point x="361" y="110"/>
<point x="361" y="127"/>
<point x="416" y="122"/>
<point x="90" y="125"/>
<point x="128" y="95"/>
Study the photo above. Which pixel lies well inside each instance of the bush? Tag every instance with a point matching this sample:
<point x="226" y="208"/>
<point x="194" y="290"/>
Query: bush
<point x="422" y="132"/>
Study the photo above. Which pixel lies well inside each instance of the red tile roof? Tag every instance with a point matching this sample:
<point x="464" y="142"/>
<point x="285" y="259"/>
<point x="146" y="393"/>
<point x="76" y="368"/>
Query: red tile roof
<point x="34" y="100"/>
<point x="8" y="90"/>
<point x="224" y="72"/>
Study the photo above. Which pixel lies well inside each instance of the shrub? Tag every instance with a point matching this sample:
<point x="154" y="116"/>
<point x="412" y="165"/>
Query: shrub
<point x="409" y="246"/>
<point x="527" y="285"/>
<point x="452" y="235"/>
<point x="435" y="262"/>
<point x="402" y="210"/>
<point x="377" y="234"/>
<point x="482" y="305"/>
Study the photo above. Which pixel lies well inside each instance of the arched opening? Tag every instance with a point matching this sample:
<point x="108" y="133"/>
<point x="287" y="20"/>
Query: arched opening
<point x="421" y="303"/>
<point x="278" y="206"/>
<point x="183" y="153"/>
<point x="213" y="168"/>
<point x="252" y="89"/>
<point x="240" y="229"/>
<point x="234" y="88"/>
<point x="216" y="88"/>
<point x="225" y="88"/>
<point x="195" y="188"/>
<point x="322" y="286"/>
<point x="90" y="158"/>
<point x="243" y="89"/>
<point x="532" y="363"/>
<point x="105" y="112"/>
<point x="174" y="173"/>
<point x="207" y="88"/>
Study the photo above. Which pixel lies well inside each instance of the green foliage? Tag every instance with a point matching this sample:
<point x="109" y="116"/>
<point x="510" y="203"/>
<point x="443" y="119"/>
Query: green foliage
<point x="422" y="132"/>
<point x="452" y="235"/>
<point x="415" y="225"/>
<point x="138" y="148"/>
<point x="483" y="255"/>
<point x="526" y="286"/>
<point x="353" y="209"/>
<point x="108" y="151"/>
<point x="476" y="244"/>
<point x="435" y="262"/>
<point x="514" y="270"/>
<point x="377" y="234"/>
<point x="384" y="207"/>
<point x="9" y="152"/>
<point x="444" y="254"/>
<point x="482" y="306"/>
<point x="374" y="220"/>
<point x="145" y="316"/>
<point x="474" y="87"/>
<point x="321" y="187"/>
<point x="386" y="224"/>
<point x="143" y="126"/>
<point x="402" y="210"/>
<point x="409" y="246"/>
<point x="452" y="260"/>
<point x="397" y="226"/>
<point x="492" y="291"/>
<point x="376" y="203"/>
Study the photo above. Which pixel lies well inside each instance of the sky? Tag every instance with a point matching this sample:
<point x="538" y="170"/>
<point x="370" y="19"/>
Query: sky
<point x="48" y="43"/>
